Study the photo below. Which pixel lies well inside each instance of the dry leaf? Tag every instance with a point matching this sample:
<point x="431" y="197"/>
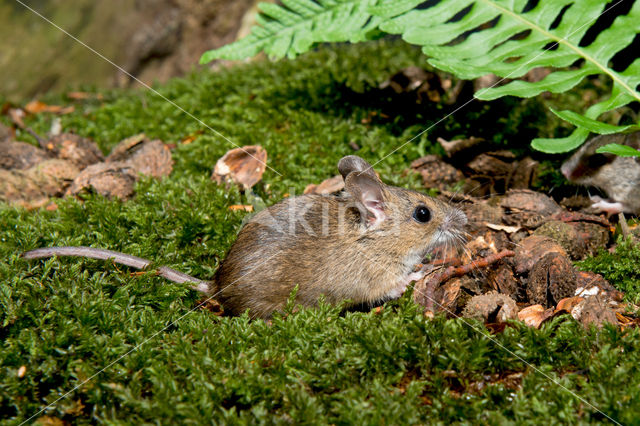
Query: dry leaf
<point x="36" y="107"/>
<point x="594" y="311"/>
<point x="16" y="115"/>
<point x="328" y="186"/>
<point x="243" y="166"/>
<point x="436" y="173"/>
<point x="568" y="303"/>
<point x="534" y="315"/>
<point x="81" y="96"/>
<point x="50" y="421"/>
<point x="505" y="228"/>
<point x="246" y="208"/>
<point x="192" y="137"/>
<point x="453" y="147"/>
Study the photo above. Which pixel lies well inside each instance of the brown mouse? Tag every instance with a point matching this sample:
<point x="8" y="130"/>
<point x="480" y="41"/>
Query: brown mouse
<point x="618" y="177"/>
<point x="361" y="245"/>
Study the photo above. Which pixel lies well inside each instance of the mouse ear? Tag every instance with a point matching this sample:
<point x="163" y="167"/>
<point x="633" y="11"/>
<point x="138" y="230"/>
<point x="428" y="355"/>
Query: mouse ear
<point x="353" y="163"/>
<point x="368" y="196"/>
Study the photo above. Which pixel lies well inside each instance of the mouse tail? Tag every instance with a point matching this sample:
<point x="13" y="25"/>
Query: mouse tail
<point x="120" y="258"/>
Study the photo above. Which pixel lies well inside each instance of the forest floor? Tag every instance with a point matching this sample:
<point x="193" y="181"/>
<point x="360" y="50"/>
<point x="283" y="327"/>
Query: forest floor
<point x="86" y="341"/>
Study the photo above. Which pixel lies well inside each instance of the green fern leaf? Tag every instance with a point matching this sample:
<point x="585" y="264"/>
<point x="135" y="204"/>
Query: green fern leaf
<point x="471" y="38"/>
<point x="295" y="26"/>
<point x="617" y="149"/>
<point x="593" y="126"/>
<point x="515" y="42"/>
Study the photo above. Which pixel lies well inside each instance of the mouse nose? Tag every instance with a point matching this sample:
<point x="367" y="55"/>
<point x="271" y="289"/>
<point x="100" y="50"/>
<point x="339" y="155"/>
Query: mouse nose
<point x="454" y="218"/>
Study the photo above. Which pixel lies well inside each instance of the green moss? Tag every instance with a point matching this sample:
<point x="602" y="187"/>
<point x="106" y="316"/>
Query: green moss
<point x="124" y="348"/>
<point x="620" y="268"/>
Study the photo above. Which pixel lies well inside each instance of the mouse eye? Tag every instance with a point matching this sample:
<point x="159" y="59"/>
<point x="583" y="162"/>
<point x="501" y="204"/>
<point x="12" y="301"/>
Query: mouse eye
<point x="598" y="160"/>
<point x="422" y="214"/>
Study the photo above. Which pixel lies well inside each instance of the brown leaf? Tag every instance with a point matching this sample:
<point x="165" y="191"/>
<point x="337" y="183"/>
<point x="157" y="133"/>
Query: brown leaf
<point x="16" y="115"/>
<point x="591" y="284"/>
<point x="246" y="208"/>
<point x="525" y="200"/>
<point x="328" y="186"/>
<point x="452" y="148"/>
<point x="568" y="303"/>
<point x="192" y="137"/>
<point x="594" y="311"/>
<point x="50" y="421"/>
<point x="36" y="107"/>
<point x="535" y="315"/>
<point x="493" y="164"/>
<point x="243" y="166"/>
<point x="81" y="96"/>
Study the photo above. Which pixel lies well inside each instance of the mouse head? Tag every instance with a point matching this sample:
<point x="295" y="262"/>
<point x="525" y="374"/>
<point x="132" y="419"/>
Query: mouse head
<point x="412" y="221"/>
<point x="585" y="164"/>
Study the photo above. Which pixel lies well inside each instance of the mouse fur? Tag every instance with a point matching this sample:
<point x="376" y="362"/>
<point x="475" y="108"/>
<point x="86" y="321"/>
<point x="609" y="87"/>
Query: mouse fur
<point x="618" y="177"/>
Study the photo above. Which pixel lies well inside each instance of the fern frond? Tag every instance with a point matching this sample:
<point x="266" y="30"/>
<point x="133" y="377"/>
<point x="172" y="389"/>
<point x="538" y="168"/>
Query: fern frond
<point x="296" y="25"/>
<point x="507" y="41"/>
<point x="471" y="38"/>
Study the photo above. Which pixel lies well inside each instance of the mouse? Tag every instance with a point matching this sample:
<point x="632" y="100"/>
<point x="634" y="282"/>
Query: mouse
<point x="618" y="177"/>
<point x="359" y="247"/>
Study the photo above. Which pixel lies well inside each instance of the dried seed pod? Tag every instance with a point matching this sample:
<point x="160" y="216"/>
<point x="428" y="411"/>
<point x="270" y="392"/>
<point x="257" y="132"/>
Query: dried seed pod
<point x="533" y="248"/>
<point x="436" y="173"/>
<point x="501" y="278"/>
<point x="551" y="279"/>
<point x="566" y="235"/>
<point x="81" y="151"/>
<point x="113" y="179"/>
<point x="20" y="155"/>
<point x="594" y="310"/>
<point x="491" y="307"/>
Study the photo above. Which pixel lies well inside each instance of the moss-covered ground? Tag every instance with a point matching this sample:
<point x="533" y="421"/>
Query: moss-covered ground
<point x="85" y="341"/>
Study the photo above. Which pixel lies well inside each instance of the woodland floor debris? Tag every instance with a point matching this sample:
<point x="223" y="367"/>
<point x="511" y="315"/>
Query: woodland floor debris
<point x="69" y="164"/>
<point x="546" y="239"/>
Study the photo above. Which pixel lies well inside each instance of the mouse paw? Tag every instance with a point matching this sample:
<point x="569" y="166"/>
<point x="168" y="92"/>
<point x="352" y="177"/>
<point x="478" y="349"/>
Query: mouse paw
<point x="608" y="207"/>
<point x="399" y="289"/>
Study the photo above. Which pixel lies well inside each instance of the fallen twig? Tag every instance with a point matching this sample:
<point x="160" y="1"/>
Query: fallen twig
<point x="431" y="282"/>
